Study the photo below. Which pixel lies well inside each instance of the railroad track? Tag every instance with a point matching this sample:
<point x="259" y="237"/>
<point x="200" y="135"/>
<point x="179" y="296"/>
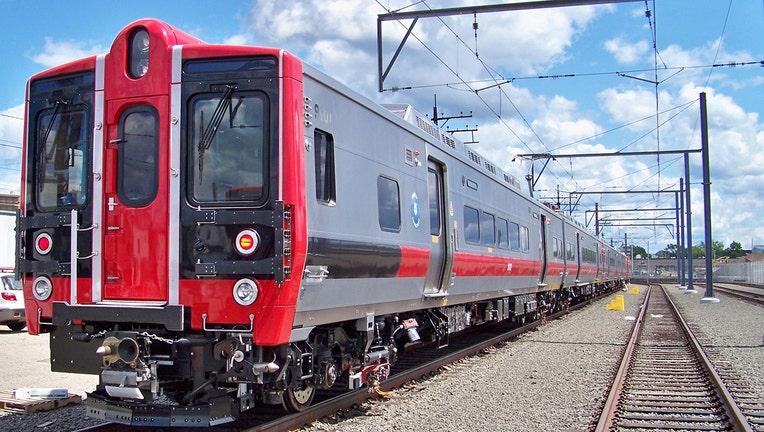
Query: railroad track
<point x="752" y="294"/>
<point x="424" y="362"/>
<point x="665" y="381"/>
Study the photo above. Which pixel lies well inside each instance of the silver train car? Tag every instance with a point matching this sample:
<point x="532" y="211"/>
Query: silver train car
<point x="209" y="228"/>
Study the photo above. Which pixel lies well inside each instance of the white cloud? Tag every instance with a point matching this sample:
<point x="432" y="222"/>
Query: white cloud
<point x="624" y="52"/>
<point x="60" y="52"/>
<point x="236" y="40"/>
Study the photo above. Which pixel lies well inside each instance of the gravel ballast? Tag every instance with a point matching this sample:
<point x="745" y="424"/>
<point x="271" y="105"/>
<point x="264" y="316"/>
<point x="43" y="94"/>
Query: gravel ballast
<point x="554" y="378"/>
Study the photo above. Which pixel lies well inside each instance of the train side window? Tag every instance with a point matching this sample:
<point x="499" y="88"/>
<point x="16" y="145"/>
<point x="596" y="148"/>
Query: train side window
<point x="514" y="236"/>
<point x="471" y="225"/>
<point x="502" y="229"/>
<point x="525" y="239"/>
<point x="488" y="229"/>
<point x="326" y="186"/>
<point x="138" y="154"/>
<point x="389" y="204"/>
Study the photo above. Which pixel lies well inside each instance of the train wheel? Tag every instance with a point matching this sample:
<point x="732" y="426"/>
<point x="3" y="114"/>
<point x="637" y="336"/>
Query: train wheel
<point x="297" y="399"/>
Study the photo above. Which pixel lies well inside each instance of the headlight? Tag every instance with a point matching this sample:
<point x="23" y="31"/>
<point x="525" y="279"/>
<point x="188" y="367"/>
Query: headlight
<point x="139" y="54"/>
<point x="42" y="288"/>
<point x="245" y="292"/>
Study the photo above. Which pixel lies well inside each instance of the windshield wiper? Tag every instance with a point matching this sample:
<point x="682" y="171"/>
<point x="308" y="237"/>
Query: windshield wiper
<point x="42" y="156"/>
<point x="212" y="127"/>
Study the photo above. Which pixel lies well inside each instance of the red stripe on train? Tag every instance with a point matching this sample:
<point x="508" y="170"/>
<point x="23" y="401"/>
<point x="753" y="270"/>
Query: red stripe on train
<point x="414" y="262"/>
<point x="471" y="264"/>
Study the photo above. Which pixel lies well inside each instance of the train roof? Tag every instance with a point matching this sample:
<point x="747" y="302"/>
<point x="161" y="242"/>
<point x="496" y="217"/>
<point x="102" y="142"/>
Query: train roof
<point x="416" y="118"/>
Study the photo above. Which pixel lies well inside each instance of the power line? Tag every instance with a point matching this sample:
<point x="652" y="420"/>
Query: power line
<point x="11" y="144"/>
<point x="721" y="38"/>
<point x="10" y="116"/>
<point x="678" y="69"/>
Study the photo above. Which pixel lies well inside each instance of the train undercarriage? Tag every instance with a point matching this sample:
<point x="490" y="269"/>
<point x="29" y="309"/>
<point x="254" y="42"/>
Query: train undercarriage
<point x="151" y="376"/>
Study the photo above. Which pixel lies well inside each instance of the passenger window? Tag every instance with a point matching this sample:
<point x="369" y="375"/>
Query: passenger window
<point x="389" y="204"/>
<point x="514" y="236"/>
<point x="488" y="229"/>
<point x="503" y="233"/>
<point x="326" y="190"/>
<point x="471" y="225"/>
<point x="525" y="240"/>
<point x="138" y="155"/>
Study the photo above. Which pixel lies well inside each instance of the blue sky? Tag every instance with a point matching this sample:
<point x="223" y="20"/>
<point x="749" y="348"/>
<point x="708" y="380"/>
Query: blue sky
<point x="596" y="110"/>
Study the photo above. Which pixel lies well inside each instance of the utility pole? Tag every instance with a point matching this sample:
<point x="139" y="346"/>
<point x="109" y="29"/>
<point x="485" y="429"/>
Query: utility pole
<point x="709" y="296"/>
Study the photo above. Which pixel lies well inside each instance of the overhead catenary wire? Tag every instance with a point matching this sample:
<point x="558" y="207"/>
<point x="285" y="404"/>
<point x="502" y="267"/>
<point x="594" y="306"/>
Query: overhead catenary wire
<point x="492" y="72"/>
<point x="503" y="93"/>
<point x="497" y="80"/>
<point x="11" y="116"/>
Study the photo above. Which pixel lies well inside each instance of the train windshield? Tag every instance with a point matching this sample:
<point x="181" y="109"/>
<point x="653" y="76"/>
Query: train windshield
<point x="62" y="147"/>
<point x="228" y="135"/>
<point x="60" y="131"/>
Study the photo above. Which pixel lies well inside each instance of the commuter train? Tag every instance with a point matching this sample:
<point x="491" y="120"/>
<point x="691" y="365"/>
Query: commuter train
<point x="211" y="228"/>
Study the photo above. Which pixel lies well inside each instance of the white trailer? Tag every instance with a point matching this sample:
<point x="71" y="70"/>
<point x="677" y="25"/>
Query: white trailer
<point x="7" y="240"/>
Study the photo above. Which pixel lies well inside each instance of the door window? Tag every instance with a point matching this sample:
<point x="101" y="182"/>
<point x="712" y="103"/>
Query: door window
<point x="433" y="190"/>
<point x="138" y="152"/>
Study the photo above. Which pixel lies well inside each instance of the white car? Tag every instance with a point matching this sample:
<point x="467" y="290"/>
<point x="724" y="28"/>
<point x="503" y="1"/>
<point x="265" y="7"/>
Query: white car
<point x="11" y="302"/>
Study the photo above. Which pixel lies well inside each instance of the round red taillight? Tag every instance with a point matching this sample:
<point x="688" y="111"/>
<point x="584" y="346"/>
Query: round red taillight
<point x="43" y="243"/>
<point x="247" y="242"/>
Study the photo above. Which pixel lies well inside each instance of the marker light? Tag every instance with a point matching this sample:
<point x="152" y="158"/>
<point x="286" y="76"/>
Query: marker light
<point x="43" y="243"/>
<point x="42" y="288"/>
<point x="247" y="242"/>
<point x="139" y="54"/>
<point x="245" y="292"/>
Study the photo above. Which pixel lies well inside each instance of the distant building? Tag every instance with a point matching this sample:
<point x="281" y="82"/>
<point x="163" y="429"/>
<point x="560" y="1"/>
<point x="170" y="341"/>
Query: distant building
<point x="9" y="203"/>
<point x="663" y="267"/>
<point x="8" y="206"/>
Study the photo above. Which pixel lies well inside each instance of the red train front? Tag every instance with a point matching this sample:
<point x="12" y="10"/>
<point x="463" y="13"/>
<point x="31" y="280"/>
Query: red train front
<point x="155" y="174"/>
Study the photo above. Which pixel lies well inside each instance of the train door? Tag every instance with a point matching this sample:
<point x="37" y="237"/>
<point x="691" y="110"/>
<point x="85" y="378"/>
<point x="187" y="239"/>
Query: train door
<point x="543" y="252"/>
<point x="578" y="257"/>
<point x="438" y="270"/>
<point x="135" y="250"/>
<point x="601" y="262"/>
<point x="564" y="255"/>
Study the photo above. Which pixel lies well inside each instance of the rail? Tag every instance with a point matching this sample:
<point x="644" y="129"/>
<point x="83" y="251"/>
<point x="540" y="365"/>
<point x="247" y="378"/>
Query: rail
<point x="660" y="353"/>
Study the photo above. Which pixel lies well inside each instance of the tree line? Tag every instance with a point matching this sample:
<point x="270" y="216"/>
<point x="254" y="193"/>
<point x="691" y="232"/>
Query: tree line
<point x="734" y="250"/>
